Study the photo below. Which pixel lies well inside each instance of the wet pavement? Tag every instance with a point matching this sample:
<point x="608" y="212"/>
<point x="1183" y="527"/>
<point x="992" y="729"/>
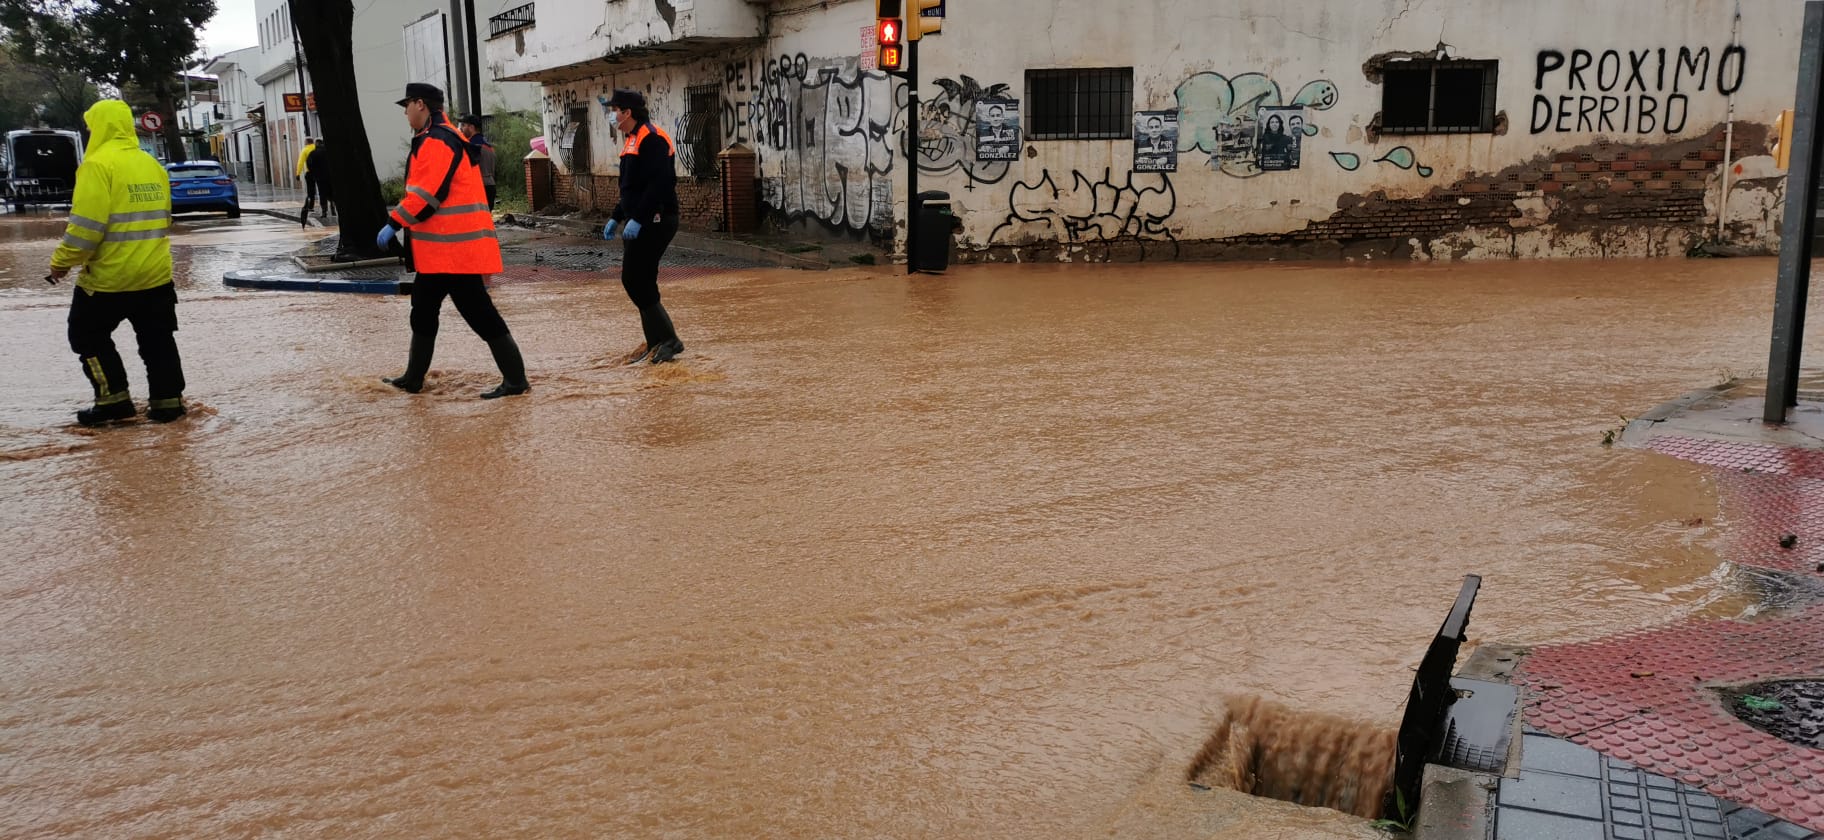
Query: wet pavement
<point x="973" y="555"/>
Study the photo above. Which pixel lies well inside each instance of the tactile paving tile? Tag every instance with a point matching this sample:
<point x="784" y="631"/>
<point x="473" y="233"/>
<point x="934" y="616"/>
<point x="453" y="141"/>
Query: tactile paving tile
<point x="1766" y="493"/>
<point x="1643" y="697"/>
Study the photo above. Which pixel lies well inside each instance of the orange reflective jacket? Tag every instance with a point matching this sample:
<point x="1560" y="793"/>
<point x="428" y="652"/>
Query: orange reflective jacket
<point x="449" y="229"/>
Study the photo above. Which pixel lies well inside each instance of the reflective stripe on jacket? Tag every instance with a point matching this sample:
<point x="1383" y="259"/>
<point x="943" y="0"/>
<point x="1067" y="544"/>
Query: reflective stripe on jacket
<point x="445" y="210"/>
<point x="120" y="215"/>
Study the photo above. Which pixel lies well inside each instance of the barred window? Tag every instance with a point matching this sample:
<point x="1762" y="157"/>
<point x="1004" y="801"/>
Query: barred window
<point x="1438" y="97"/>
<point x="702" y="131"/>
<point x="1080" y="104"/>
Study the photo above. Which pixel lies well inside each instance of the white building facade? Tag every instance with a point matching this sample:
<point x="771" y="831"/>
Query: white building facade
<point x="395" y="42"/>
<point x="1180" y="129"/>
<point x="238" y="136"/>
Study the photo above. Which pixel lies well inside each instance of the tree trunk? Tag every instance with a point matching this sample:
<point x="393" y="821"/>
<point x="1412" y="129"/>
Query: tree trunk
<point x="174" y="140"/>
<point x="326" y="30"/>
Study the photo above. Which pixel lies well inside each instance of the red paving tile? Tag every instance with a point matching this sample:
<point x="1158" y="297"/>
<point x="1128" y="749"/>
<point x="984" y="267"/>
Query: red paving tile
<point x="1646" y="696"/>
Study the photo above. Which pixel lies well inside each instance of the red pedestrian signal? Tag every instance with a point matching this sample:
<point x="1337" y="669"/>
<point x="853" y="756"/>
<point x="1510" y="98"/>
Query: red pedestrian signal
<point x="889" y="31"/>
<point x="889" y="57"/>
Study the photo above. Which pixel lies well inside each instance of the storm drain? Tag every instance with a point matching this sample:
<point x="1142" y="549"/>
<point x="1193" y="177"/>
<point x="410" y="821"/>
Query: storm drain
<point x="1265" y="749"/>
<point x="1790" y="710"/>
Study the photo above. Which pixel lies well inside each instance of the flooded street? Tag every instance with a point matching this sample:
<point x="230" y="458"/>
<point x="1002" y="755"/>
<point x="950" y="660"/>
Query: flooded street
<point x="978" y="555"/>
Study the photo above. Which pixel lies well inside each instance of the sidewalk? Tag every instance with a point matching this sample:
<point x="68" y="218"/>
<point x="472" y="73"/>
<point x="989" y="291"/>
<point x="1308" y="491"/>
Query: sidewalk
<point x="529" y="255"/>
<point x="1700" y="728"/>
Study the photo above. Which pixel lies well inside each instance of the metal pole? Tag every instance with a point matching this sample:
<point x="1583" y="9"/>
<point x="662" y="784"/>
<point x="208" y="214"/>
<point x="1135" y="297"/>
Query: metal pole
<point x="912" y="126"/>
<point x="297" y="46"/>
<point x="468" y="26"/>
<point x="1797" y="225"/>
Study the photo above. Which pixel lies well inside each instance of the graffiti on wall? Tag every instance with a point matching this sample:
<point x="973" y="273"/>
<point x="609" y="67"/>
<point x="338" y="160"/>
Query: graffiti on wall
<point x="947" y="133"/>
<point x="1104" y="211"/>
<point x="1218" y="115"/>
<point x="1632" y="92"/>
<point x="825" y="132"/>
<point x="1401" y="157"/>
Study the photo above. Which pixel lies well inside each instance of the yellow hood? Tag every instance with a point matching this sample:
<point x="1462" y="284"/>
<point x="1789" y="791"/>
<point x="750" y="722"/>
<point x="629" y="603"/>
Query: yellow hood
<point x="110" y="123"/>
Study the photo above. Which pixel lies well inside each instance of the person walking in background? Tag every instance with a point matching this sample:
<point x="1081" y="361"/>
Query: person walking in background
<point x="316" y="169"/>
<point x="310" y="184"/>
<point x="120" y="219"/>
<point x="649" y="210"/>
<point x="484" y="157"/>
<point x="451" y="243"/>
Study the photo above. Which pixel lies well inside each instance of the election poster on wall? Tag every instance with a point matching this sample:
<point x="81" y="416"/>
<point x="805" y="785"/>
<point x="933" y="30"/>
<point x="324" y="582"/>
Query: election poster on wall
<point x="1282" y="135"/>
<point x="997" y="129"/>
<point x="1155" y="141"/>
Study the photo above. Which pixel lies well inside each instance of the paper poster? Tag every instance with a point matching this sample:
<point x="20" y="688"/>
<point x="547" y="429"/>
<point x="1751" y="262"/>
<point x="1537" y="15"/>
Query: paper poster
<point x="1282" y="134"/>
<point x="997" y="129"/>
<point x="1235" y="139"/>
<point x="1155" y="141"/>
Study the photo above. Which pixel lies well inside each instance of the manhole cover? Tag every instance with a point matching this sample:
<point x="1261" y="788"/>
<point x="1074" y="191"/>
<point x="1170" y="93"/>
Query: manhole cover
<point x="1790" y="710"/>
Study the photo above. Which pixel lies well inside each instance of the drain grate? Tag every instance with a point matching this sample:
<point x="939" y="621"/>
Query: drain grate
<point x="1790" y="710"/>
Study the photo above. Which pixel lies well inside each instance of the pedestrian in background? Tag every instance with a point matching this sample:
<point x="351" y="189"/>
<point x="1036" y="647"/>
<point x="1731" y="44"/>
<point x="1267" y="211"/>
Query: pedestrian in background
<point x="316" y="169"/>
<point x="451" y="243"/>
<point x="310" y="184"/>
<point x="484" y="157"/>
<point x="118" y="234"/>
<point x="647" y="216"/>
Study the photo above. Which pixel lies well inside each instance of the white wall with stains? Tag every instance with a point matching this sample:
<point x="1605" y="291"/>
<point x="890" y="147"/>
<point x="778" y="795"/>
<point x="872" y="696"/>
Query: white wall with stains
<point x="831" y="132"/>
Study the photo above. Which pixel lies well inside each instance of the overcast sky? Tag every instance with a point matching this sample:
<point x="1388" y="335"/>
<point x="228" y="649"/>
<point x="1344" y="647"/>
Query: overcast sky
<point x="232" y="27"/>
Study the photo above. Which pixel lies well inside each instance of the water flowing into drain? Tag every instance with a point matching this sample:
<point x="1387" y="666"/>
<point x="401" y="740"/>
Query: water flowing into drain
<point x="1265" y="749"/>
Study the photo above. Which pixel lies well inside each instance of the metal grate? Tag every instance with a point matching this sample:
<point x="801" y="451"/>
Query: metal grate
<point x="1426" y="96"/>
<point x="702" y="131"/>
<point x="1080" y="104"/>
<point x="511" y="20"/>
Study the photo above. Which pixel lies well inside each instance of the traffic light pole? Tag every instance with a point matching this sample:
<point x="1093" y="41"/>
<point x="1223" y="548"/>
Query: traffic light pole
<point x="912" y="128"/>
<point x="1797" y="224"/>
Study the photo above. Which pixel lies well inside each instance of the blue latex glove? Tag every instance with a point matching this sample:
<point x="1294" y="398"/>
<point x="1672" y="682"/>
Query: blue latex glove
<point x="632" y="230"/>
<point x="608" y="229"/>
<point x="384" y="241"/>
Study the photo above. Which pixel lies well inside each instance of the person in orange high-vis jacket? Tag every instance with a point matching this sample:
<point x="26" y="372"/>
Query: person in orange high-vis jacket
<point x="450" y="242"/>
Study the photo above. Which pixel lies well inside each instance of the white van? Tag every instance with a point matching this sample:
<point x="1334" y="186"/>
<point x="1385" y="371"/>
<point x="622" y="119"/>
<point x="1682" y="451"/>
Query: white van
<point x="38" y="166"/>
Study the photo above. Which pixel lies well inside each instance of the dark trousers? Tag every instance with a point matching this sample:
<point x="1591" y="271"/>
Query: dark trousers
<point x="472" y="302"/>
<point x="153" y="314"/>
<point x="490" y="190"/>
<point x="310" y="193"/>
<point x="640" y="277"/>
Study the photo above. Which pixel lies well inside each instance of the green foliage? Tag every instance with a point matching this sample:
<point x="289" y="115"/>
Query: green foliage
<point x="511" y="134"/>
<point x="31" y="95"/>
<point x="113" y="42"/>
<point x="392" y="190"/>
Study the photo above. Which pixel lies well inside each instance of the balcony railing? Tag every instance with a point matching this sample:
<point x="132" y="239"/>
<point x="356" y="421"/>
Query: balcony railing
<point x="511" y="20"/>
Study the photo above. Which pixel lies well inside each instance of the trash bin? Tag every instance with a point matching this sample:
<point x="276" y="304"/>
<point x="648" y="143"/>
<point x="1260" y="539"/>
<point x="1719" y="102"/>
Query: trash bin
<point x="936" y="221"/>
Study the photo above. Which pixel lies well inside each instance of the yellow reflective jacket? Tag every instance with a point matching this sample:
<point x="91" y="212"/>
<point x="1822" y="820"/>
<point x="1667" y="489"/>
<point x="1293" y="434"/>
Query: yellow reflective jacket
<point x="120" y="218"/>
<point x="304" y="158"/>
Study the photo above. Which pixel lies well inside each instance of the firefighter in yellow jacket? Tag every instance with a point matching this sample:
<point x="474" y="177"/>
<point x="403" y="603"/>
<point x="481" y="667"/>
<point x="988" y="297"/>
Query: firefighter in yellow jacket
<point x="120" y="219"/>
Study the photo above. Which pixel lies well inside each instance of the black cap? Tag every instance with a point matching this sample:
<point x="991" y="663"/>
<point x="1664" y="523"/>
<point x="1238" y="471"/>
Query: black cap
<point x="470" y="119"/>
<point x="420" y="90"/>
<point x="624" y="99"/>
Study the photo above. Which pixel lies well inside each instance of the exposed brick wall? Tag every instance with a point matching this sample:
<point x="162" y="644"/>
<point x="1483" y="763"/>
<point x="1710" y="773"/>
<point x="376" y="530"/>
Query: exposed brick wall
<point x="699" y="199"/>
<point x="1590" y="188"/>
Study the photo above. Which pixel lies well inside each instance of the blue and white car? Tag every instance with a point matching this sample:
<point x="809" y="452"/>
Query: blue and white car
<point x="201" y="186"/>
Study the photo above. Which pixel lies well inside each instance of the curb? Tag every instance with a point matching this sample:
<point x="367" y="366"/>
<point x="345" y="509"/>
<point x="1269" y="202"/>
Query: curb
<point x="259" y="280"/>
<point x="686" y="239"/>
<point x="280" y="214"/>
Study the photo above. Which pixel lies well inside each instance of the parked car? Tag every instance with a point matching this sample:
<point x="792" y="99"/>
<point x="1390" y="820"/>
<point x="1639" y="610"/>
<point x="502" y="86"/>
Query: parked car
<point x="38" y="166"/>
<point x="201" y="186"/>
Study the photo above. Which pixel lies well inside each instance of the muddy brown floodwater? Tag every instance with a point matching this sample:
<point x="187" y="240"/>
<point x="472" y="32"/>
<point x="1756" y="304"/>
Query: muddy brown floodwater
<point x="981" y="555"/>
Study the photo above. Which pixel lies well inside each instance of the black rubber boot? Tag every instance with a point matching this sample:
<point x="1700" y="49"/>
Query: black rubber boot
<point x="165" y="410"/>
<point x="660" y="335"/>
<point x="512" y="369"/>
<point x="417" y="364"/>
<point x="102" y="415"/>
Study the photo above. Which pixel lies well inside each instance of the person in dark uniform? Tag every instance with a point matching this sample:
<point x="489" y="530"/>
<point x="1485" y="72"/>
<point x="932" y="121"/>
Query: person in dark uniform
<point x="316" y="168"/>
<point x="484" y="152"/>
<point x="647" y="217"/>
<point x="451" y="243"/>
